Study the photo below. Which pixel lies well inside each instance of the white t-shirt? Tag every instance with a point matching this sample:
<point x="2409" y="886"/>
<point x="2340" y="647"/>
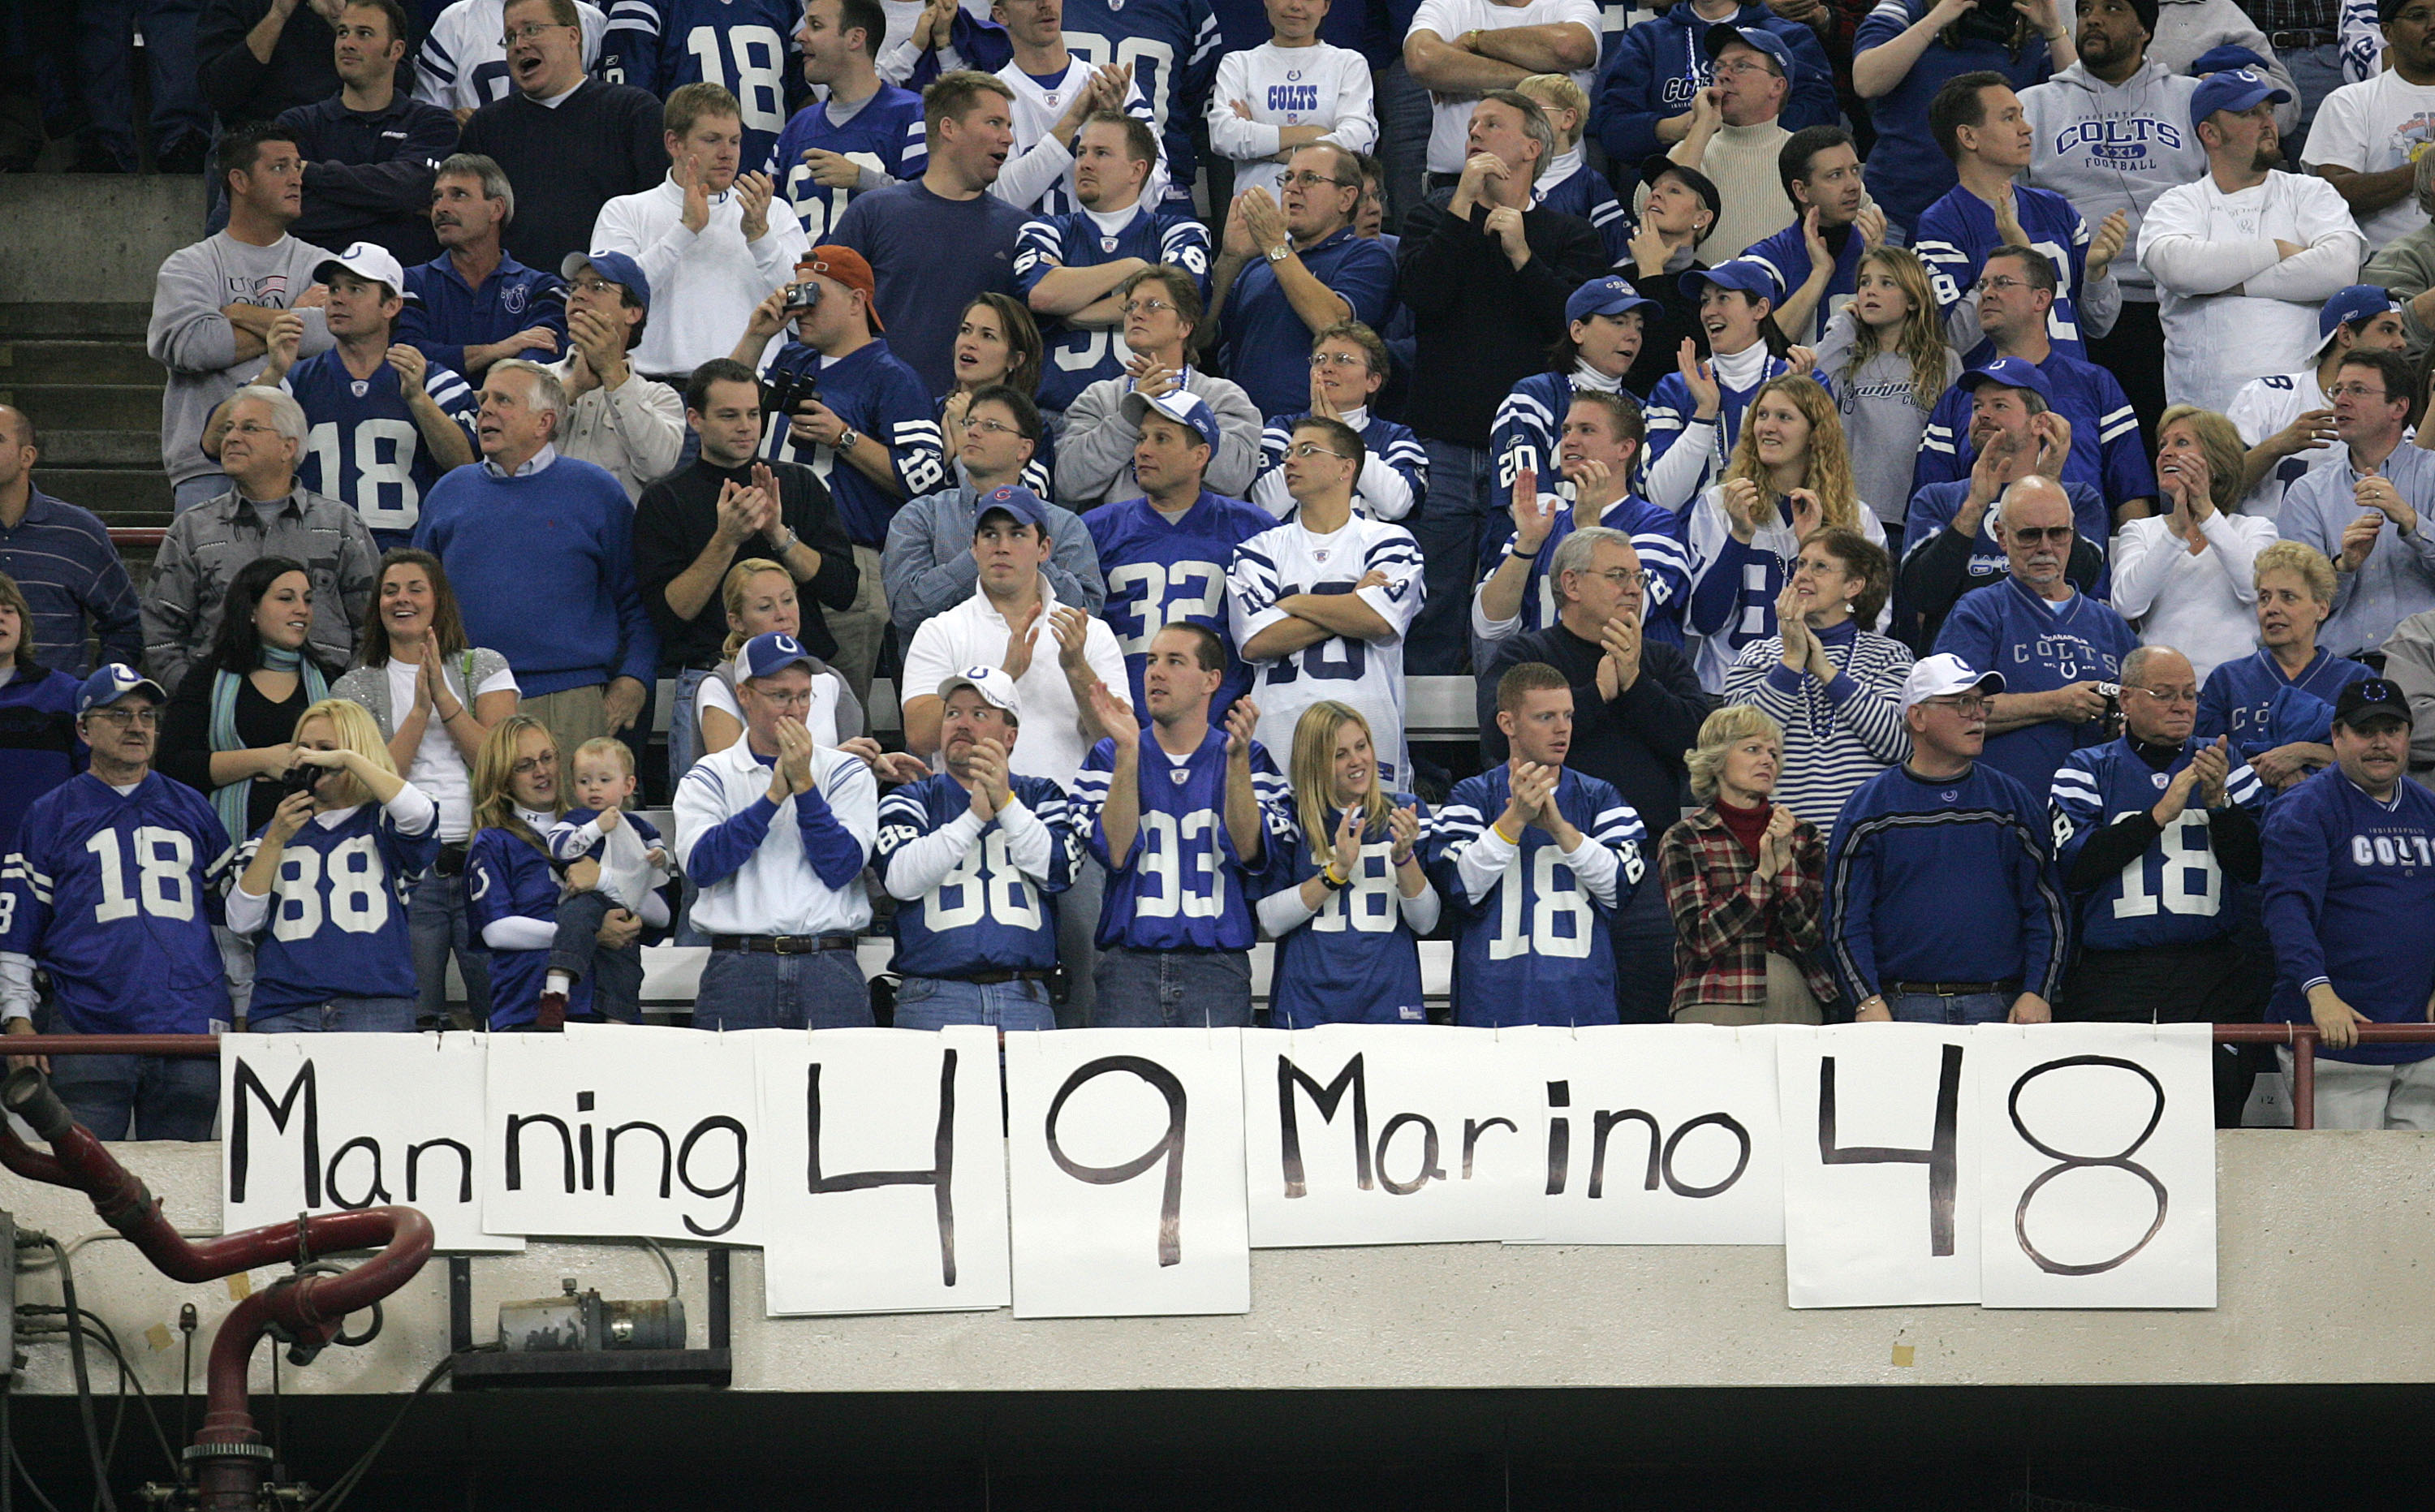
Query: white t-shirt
<point x="1450" y="114"/>
<point x="1368" y="675"/>
<point x="2381" y="123"/>
<point x="1319" y="85"/>
<point x="438" y="767"/>
<point x="974" y="634"/>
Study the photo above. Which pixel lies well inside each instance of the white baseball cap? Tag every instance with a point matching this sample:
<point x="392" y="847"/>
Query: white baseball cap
<point x="1940" y="676"/>
<point x="369" y="261"/>
<point x="990" y="682"/>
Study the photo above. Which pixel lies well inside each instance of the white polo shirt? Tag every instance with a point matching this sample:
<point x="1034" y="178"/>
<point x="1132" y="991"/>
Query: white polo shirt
<point x="973" y="634"/>
<point x="776" y="892"/>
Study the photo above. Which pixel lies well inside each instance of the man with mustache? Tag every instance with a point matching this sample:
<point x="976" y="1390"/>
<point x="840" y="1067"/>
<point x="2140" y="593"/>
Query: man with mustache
<point x="474" y="304"/>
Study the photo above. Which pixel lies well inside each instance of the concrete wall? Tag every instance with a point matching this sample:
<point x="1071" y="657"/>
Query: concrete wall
<point x="75" y="238"/>
<point x="2325" y="1239"/>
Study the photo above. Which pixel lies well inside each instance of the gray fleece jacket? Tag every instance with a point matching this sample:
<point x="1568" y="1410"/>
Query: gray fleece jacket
<point x="2115" y="147"/>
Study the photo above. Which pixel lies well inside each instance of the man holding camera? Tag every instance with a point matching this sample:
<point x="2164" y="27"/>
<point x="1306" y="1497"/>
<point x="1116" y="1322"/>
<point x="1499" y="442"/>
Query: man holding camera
<point x="834" y="397"/>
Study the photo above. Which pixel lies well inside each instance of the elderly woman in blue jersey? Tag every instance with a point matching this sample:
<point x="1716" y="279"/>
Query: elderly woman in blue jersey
<point x="2253" y="699"/>
<point x="325" y="885"/>
<point x="511" y="893"/>
<point x="1789" y="477"/>
<point x="39" y="746"/>
<point x="1348" y="928"/>
<point x="1745" y="881"/>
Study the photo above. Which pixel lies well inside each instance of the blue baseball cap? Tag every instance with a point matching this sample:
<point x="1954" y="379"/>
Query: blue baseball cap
<point x="1605" y="296"/>
<point x="617" y="267"/>
<point x="2013" y="372"/>
<point x="1723" y="35"/>
<point x="1752" y="278"/>
<point x="1014" y="500"/>
<point x="773" y="652"/>
<point x="1178" y="405"/>
<point x="2216" y="60"/>
<point x="2360" y="302"/>
<point x="111" y="682"/>
<point x="2235" y="89"/>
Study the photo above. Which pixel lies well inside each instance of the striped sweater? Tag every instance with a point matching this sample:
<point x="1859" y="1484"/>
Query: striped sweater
<point x="1838" y="734"/>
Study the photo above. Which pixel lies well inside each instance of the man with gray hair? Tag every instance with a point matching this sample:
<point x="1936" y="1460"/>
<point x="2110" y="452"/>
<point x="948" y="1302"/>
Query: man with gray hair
<point x="539" y="549"/>
<point x="474" y="304"/>
<point x="2404" y="266"/>
<point x="264" y="512"/>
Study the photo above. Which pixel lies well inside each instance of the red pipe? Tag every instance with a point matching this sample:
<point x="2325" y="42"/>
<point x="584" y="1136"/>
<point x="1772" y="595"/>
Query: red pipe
<point x="231" y="1463"/>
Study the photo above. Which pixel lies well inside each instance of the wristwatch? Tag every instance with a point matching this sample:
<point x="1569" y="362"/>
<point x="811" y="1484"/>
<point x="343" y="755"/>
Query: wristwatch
<point x="788" y="544"/>
<point x="846" y="439"/>
<point x="1280" y="251"/>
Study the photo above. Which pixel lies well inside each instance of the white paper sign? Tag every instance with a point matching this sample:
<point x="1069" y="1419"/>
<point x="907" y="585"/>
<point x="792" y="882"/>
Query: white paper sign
<point x="2097" y="1166"/>
<point x="1386" y="1134"/>
<point x="1655" y="1134"/>
<point x="611" y="1130"/>
<point x="1880" y="1165"/>
<point x="882" y="1172"/>
<point x="1125" y="1166"/>
<point x="315" y="1123"/>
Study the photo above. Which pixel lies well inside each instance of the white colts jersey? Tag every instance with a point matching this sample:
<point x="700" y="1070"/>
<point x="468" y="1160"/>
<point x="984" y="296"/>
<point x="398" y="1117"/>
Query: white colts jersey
<point x="462" y="67"/>
<point x="2266" y="405"/>
<point x="1036" y="110"/>
<point x="1368" y="675"/>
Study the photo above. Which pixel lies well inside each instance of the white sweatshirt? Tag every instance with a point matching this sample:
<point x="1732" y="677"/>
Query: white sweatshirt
<point x="704" y="285"/>
<point x="1320" y="85"/>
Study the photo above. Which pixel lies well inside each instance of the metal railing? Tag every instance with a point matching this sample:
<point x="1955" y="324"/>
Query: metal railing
<point x="2300" y="1037"/>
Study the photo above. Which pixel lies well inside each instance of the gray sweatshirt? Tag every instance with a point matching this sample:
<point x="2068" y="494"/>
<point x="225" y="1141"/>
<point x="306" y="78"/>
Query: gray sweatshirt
<point x="194" y="341"/>
<point x="2115" y="147"/>
<point x="1882" y="419"/>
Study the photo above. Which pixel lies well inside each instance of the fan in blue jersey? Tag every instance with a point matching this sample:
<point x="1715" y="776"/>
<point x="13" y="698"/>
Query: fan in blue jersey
<point x="861" y="134"/>
<point x="2060" y="649"/>
<point x="611" y="861"/>
<point x="1165" y="556"/>
<point x="1172" y="49"/>
<point x="1534" y="859"/>
<point x="2153" y="832"/>
<point x="325" y="882"/>
<point x="382" y="420"/>
<point x="741" y="45"/>
<point x="2106" y="448"/>
<point x="1942" y="900"/>
<point x="974" y="855"/>
<point x="2296" y="586"/>
<point x="1695" y="413"/>
<point x="112" y="889"/>
<point x="1567" y="185"/>
<point x="1605" y="326"/>
<point x="2350" y="884"/>
<point x="1186" y="816"/>
<point x="474" y="304"/>
<point x="1068" y="266"/>
<point x="1821" y="170"/>
<point x="511" y="892"/>
<point x="1355" y="901"/>
<point x="1982" y="128"/>
<point x="1597" y="458"/>
<point x="1348" y="366"/>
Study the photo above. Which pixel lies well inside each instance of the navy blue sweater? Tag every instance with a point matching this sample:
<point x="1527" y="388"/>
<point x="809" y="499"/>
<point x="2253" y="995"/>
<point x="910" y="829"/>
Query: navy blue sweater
<point x="2350" y="884"/>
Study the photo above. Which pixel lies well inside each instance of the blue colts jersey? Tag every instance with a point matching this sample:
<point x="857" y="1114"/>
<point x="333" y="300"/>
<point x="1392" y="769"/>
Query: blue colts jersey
<point x="1078" y="356"/>
<point x="988" y="913"/>
<point x="872" y="390"/>
<point x="1159" y="574"/>
<point x="337" y="913"/>
<point x="507" y="876"/>
<point x="2174" y="894"/>
<point x="1355" y="961"/>
<point x="1172" y="47"/>
<point x="115" y="897"/>
<point x="745" y="47"/>
<point x="361" y="445"/>
<point x="1535" y="948"/>
<point x="1183" y="887"/>
<point x="2239" y="698"/>
<point x="1955" y="235"/>
<point x="885" y="135"/>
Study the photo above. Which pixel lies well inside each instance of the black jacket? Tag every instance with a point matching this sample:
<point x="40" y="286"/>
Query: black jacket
<point x="676" y="518"/>
<point x="303" y="68"/>
<point x="367" y="177"/>
<point x="601" y="142"/>
<point x="1637" y="742"/>
<point x="1936" y="573"/>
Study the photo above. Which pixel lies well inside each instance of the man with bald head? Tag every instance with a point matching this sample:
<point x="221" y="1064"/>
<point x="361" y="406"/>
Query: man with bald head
<point x="2151" y="828"/>
<point x="2060" y="651"/>
<point x="61" y="559"/>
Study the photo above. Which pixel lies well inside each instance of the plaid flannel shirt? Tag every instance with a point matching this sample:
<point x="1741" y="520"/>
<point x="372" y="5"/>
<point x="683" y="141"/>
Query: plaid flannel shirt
<point x="1727" y="922"/>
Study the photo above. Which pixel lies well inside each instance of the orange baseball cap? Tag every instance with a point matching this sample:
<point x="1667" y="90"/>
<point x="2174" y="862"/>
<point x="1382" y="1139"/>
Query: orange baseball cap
<point x="848" y="267"/>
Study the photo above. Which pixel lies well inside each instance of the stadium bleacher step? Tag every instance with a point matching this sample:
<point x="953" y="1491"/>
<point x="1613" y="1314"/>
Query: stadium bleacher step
<point x="81" y="371"/>
<point x="77" y="363"/>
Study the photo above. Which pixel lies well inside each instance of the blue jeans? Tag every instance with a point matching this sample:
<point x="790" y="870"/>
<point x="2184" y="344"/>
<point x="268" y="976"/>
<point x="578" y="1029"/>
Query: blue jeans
<point x="435" y="922"/>
<point x="933" y="1002"/>
<point x="1643" y="934"/>
<point x="342" y="1016"/>
<point x="2318" y="72"/>
<point x="105" y="30"/>
<point x="1077" y="949"/>
<point x="1447" y="527"/>
<point x="1926" y="1008"/>
<point x="745" y="990"/>
<point x="164" y="1097"/>
<point x="1173" y="989"/>
<point x="1404" y="120"/>
<point x="684" y="736"/>
<point x="617" y="976"/>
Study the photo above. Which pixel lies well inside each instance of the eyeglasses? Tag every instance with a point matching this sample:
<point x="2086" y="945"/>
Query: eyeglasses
<point x="546" y="760"/>
<point x="2166" y="696"/>
<point x="1619" y="576"/>
<point x="782" y="700"/>
<point x="1968" y="705"/>
<point x="593" y="286"/>
<point x="1746" y="65"/>
<point x="2033" y="534"/>
<point x="993" y="427"/>
<point x="1145" y="306"/>
<point x="1999" y="283"/>
<point x="527" y="32"/>
<point x="1310" y="449"/>
<point x="148" y="718"/>
<point x="1347" y="360"/>
<point x="1312" y="180"/>
<point x="253" y="427"/>
<point x="2354" y="392"/>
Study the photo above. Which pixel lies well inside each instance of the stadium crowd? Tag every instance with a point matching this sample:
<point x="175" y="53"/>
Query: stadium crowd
<point x="1930" y="497"/>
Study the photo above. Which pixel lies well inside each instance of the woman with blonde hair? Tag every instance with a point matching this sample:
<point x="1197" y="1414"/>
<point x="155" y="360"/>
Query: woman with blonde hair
<point x="1746" y="881"/>
<point x="1788" y="476"/>
<point x="1348" y="924"/>
<point x="1886" y="363"/>
<point x="325" y="884"/>
<point x="519" y="791"/>
<point x="760" y="597"/>
<point x="2186" y="579"/>
<point x="2275" y="703"/>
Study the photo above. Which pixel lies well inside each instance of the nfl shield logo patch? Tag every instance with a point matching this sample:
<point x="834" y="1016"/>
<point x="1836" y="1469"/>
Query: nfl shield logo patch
<point x="1107" y="244"/>
<point x="360" y="387"/>
<point x="1179" y="775"/>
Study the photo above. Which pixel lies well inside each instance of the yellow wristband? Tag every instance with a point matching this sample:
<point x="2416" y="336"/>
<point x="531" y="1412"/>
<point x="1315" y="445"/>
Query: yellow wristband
<point x="1497" y="830"/>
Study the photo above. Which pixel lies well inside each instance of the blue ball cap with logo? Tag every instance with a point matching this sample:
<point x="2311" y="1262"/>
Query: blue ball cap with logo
<point x="1605" y="296"/>
<point x="2350" y="307"/>
<point x="2235" y="89"/>
<point x="617" y="267"/>
<point x="2011" y="372"/>
<point x="112" y="682"/>
<point x="773" y="652"/>
<point x="1178" y="405"/>
<point x="1752" y="278"/>
<point x="1723" y="35"/>
<point x="1014" y="500"/>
